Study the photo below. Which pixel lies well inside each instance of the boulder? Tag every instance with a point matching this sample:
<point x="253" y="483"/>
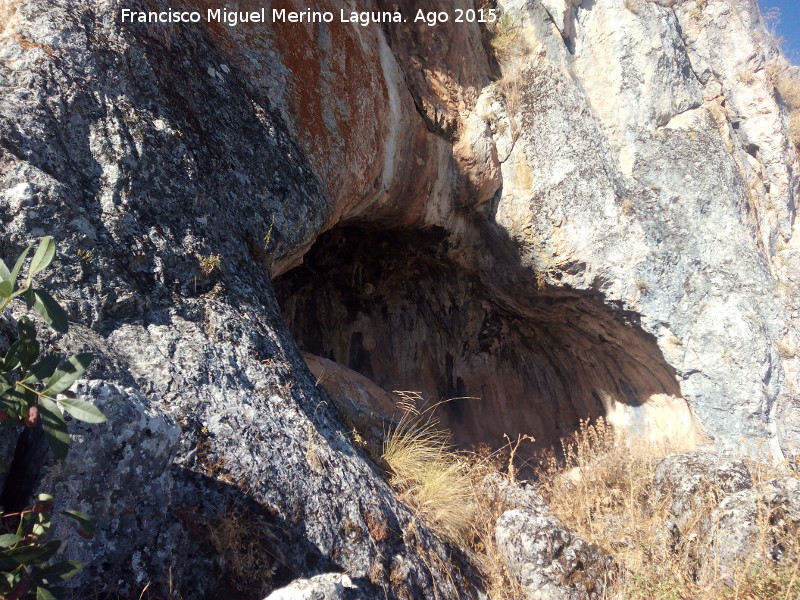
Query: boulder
<point x="119" y="474"/>
<point x="760" y="524"/>
<point x="687" y="482"/>
<point x="549" y="560"/>
<point x="330" y="586"/>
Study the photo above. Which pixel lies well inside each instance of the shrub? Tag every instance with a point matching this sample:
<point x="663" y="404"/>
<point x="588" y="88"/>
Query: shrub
<point x="209" y="264"/>
<point x="505" y="37"/>
<point x="34" y="391"/>
<point x="787" y="83"/>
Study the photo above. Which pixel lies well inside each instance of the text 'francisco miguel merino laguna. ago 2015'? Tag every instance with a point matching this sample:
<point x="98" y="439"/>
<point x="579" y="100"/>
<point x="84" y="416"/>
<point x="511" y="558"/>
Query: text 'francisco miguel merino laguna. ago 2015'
<point x="363" y="18"/>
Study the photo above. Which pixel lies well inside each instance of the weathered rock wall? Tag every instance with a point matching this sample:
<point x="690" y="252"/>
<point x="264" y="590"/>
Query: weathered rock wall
<point x="669" y="178"/>
<point x="645" y="166"/>
<point x="149" y="147"/>
<point x="600" y="224"/>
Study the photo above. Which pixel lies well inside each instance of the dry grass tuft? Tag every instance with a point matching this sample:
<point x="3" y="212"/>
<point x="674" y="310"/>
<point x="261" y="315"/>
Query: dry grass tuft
<point x="788" y="84"/>
<point x="786" y="349"/>
<point x="602" y="487"/>
<point x="447" y="488"/>
<point x="243" y="541"/>
<point x="794" y="128"/>
<point x="505" y="37"/>
<point x="209" y="264"/>
<point x="431" y="477"/>
<point x="510" y="48"/>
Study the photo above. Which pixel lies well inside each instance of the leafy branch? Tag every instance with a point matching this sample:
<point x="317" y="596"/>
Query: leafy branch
<point x="35" y="391"/>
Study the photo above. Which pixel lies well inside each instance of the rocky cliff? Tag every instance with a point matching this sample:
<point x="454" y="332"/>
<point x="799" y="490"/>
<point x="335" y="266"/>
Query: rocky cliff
<point x="583" y="209"/>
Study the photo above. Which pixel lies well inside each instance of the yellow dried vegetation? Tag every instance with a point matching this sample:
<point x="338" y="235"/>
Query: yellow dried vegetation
<point x="787" y="83"/>
<point x="601" y="485"/>
<point x="431" y="477"/>
<point x="446" y="488"/>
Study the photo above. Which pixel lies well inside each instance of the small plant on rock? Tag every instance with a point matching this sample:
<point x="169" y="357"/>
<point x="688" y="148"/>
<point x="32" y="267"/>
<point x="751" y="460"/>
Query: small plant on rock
<point x="209" y="264"/>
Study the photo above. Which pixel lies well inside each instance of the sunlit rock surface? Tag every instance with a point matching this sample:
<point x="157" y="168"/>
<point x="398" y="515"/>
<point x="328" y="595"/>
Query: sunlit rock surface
<point x="595" y="221"/>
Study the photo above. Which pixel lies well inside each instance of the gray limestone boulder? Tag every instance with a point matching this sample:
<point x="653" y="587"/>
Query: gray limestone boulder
<point x="687" y="481"/>
<point x="550" y="561"/>
<point x="760" y="524"/>
<point x="329" y="586"/>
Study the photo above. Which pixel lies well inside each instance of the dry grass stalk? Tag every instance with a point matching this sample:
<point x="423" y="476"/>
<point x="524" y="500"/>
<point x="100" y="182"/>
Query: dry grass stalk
<point x="499" y="582"/>
<point x="794" y="128"/>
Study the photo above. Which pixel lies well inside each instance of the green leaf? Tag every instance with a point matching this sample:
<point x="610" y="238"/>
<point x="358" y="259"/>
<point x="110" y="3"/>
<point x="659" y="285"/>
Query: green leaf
<point x="85" y="525"/>
<point x="19" y="263"/>
<point x="11" y="578"/>
<point x="23" y="353"/>
<point x="67" y="374"/>
<point x="25" y="395"/>
<point x="54" y="427"/>
<point x="42" y="369"/>
<point x="30" y="297"/>
<point x="9" y="539"/>
<point x="14" y="356"/>
<point x="82" y="410"/>
<point x="43" y="256"/>
<point x="25" y="350"/>
<point x="5" y="274"/>
<point x="25" y="555"/>
<point x="20" y="292"/>
<point x="51" y="311"/>
<point x="43" y="594"/>
<point x="26" y="330"/>
<point x="6" y="287"/>
<point x="60" y="571"/>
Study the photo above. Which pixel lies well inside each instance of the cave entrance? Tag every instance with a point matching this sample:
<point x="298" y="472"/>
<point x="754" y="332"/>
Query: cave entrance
<point x="401" y="309"/>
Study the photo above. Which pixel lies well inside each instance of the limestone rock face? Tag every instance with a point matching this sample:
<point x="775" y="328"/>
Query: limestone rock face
<point x="633" y="262"/>
<point x="586" y="209"/>
<point x="732" y="531"/>
<point x="741" y="517"/>
<point x="636" y="151"/>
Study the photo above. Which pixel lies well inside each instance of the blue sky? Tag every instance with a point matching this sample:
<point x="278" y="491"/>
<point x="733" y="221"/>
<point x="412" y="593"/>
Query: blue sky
<point x="788" y="25"/>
